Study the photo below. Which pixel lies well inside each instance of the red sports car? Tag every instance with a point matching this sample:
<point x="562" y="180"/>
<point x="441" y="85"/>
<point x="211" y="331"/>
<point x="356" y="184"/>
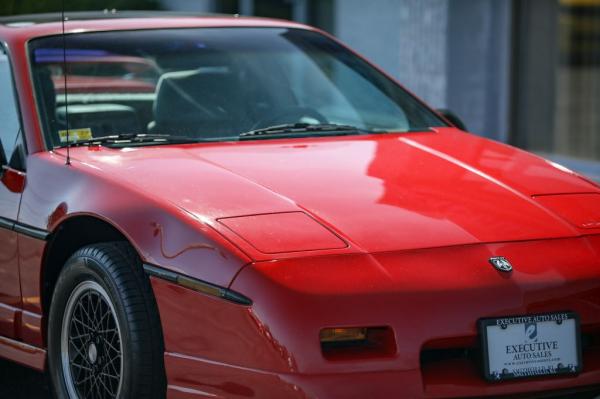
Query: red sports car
<point x="277" y="219"/>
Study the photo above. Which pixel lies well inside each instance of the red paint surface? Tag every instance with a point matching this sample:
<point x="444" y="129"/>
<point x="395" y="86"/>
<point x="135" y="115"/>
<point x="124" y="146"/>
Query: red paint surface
<point x="10" y="290"/>
<point x="583" y="210"/>
<point x="24" y="354"/>
<point x="283" y="232"/>
<point x="431" y="298"/>
<point x="400" y="192"/>
<point x="419" y="214"/>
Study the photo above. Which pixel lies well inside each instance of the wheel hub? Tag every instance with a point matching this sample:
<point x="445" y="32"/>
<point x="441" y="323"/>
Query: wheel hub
<point x="92" y="353"/>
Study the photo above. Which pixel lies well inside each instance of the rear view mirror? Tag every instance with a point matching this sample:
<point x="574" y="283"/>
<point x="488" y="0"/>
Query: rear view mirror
<point x="452" y="118"/>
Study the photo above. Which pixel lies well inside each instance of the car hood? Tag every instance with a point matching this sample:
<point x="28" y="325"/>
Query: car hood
<point x="377" y="193"/>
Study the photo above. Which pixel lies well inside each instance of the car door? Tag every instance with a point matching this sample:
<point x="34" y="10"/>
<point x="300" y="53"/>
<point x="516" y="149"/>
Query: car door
<point x="10" y="195"/>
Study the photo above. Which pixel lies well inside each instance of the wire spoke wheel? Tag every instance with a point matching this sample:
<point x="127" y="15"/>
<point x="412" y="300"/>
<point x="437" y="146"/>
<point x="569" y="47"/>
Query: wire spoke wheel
<point x="104" y="333"/>
<point x="91" y="344"/>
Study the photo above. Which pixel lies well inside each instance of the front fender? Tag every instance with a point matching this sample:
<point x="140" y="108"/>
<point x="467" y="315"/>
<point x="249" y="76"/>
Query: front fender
<point x="162" y="233"/>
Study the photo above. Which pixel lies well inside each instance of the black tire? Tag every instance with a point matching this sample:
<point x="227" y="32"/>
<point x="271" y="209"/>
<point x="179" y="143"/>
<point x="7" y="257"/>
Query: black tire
<point x="119" y="338"/>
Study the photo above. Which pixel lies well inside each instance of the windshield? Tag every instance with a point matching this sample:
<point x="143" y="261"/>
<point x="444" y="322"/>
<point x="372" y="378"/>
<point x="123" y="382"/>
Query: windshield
<point x="212" y="83"/>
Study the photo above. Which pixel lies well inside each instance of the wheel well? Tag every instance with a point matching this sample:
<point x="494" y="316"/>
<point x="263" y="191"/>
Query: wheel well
<point x="71" y="235"/>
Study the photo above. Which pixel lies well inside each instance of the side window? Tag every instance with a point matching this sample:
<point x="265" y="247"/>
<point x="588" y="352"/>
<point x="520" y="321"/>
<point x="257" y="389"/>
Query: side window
<point x="9" y="113"/>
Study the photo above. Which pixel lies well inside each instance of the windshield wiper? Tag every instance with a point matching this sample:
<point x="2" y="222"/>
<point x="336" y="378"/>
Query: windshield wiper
<point x="301" y="129"/>
<point x="134" y="138"/>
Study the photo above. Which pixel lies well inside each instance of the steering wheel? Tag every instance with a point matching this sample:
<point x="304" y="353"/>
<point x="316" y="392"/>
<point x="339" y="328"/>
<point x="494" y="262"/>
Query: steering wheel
<point x="290" y="115"/>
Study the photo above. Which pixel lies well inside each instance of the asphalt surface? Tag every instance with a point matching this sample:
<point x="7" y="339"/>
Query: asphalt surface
<point x="18" y="382"/>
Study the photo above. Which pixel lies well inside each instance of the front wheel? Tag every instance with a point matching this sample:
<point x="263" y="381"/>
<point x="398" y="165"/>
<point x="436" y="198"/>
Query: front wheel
<point x="104" y="336"/>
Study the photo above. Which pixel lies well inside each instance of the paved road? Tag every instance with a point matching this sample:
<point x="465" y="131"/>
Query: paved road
<point x="17" y="382"/>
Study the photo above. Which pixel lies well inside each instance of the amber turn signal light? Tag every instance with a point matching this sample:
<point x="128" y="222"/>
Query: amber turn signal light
<point x="343" y="334"/>
<point x="345" y="343"/>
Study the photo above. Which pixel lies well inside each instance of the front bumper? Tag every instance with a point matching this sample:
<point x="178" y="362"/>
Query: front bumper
<point x="431" y="299"/>
<point x="192" y="378"/>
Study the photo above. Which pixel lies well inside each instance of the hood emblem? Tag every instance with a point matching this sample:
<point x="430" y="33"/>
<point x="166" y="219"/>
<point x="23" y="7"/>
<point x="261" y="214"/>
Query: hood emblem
<point x="501" y="263"/>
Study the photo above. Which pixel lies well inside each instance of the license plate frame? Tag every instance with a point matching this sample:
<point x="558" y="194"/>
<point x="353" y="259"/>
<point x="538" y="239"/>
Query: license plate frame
<point x="571" y="318"/>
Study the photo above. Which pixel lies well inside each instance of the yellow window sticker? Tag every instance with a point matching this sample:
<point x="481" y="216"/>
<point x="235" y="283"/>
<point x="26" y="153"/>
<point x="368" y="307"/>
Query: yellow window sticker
<point x="75" y="135"/>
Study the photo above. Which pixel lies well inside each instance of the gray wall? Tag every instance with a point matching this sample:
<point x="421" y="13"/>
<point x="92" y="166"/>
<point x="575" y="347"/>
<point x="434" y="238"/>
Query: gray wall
<point x="189" y="5"/>
<point x="479" y="64"/>
<point x="452" y="53"/>
<point x="407" y="38"/>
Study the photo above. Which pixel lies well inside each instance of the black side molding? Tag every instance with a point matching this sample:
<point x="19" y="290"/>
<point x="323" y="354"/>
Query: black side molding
<point x="33" y="232"/>
<point x="6" y="224"/>
<point x="197" y="285"/>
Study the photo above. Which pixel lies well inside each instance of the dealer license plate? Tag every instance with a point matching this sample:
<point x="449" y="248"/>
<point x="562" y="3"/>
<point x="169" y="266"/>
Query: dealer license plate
<point x="530" y="346"/>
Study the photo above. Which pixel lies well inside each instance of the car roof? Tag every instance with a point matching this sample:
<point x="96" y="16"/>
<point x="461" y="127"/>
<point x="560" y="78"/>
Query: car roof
<point x="38" y="25"/>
